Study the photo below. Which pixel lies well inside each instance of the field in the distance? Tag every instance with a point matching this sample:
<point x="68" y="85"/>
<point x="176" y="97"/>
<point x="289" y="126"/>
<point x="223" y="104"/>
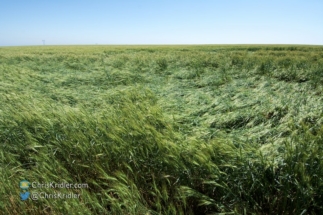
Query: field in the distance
<point x="163" y="129"/>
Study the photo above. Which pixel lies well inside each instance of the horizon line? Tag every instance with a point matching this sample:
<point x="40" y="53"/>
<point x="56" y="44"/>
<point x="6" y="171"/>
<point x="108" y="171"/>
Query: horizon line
<point x="171" y="44"/>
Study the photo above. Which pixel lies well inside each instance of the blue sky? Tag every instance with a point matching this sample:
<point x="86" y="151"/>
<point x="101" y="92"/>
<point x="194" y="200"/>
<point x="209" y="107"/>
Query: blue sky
<point x="63" y="22"/>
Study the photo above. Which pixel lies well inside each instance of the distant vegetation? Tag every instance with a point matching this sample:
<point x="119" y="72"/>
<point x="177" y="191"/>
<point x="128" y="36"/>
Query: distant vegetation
<point x="163" y="129"/>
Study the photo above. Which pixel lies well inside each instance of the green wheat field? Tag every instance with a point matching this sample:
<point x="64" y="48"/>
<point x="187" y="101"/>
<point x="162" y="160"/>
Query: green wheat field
<point x="208" y="129"/>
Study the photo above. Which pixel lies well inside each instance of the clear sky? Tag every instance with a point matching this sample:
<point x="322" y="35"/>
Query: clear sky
<point x="63" y="22"/>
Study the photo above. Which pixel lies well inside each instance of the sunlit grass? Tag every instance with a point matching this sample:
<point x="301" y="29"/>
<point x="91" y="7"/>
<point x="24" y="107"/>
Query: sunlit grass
<point x="163" y="129"/>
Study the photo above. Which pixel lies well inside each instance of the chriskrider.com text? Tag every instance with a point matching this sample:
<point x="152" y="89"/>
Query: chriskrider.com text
<point x="63" y="185"/>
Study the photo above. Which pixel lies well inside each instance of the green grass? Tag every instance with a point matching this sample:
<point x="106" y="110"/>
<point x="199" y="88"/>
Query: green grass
<point x="163" y="129"/>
